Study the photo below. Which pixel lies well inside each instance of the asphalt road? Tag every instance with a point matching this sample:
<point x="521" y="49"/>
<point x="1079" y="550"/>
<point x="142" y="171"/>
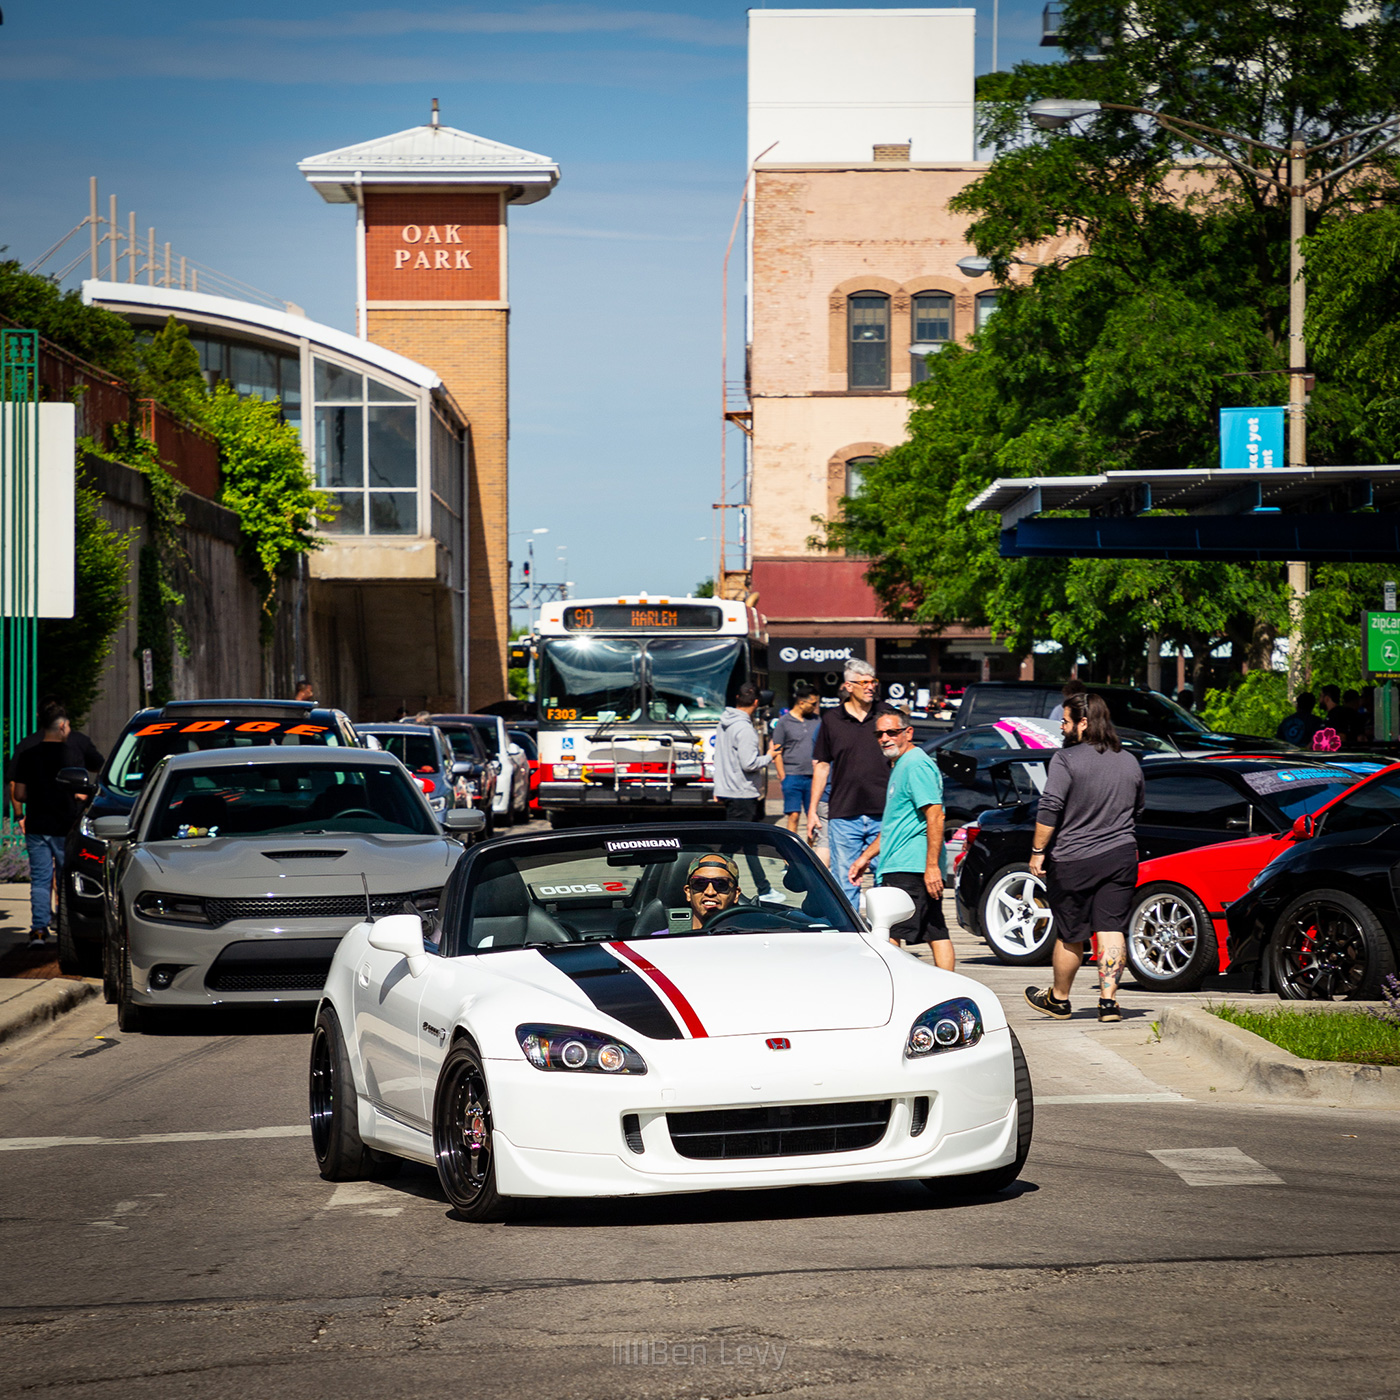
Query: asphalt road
<point x="192" y="1249"/>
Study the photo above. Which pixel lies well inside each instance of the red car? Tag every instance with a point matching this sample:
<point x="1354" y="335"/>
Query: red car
<point x="1176" y="928"/>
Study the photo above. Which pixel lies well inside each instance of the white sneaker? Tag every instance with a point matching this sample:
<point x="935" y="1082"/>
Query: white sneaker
<point x="771" y="897"/>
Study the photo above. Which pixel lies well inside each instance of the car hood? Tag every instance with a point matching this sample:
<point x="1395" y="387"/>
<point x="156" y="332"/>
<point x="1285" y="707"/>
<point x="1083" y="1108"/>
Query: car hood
<point x="738" y="984"/>
<point x="1250" y="853"/>
<point x="278" y="866"/>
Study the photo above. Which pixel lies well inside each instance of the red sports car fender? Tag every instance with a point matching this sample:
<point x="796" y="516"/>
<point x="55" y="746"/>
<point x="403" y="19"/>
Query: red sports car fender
<point x="1216" y="875"/>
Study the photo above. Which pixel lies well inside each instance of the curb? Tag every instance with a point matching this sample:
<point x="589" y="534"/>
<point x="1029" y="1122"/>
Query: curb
<point x="47" y="1002"/>
<point x="1275" y="1073"/>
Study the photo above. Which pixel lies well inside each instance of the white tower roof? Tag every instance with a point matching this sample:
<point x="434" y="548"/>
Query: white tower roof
<point x="426" y="156"/>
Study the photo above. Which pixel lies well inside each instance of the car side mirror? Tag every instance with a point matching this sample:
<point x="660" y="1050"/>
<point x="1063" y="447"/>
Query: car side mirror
<point x="461" y="768"/>
<point x="1304" y="828"/>
<point x="76" y="778"/>
<point x="464" y="819"/>
<point x="514" y="750"/>
<point x="116" y="828"/>
<point x="402" y="934"/>
<point x="884" y="907"/>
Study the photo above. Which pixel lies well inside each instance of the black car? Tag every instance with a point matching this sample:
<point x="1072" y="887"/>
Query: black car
<point x="182" y="726"/>
<point x="1128" y="707"/>
<point x="1321" y="921"/>
<point x="968" y="759"/>
<point x="1190" y="802"/>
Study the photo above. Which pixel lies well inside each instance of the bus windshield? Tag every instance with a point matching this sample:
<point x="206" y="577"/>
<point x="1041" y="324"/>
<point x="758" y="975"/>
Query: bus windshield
<point x="659" y="679"/>
<point x="689" y="678"/>
<point x="590" y="678"/>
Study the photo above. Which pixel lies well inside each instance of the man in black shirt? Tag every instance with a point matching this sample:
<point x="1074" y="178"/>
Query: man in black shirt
<point x="48" y="811"/>
<point x="82" y="752"/>
<point x="846" y="750"/>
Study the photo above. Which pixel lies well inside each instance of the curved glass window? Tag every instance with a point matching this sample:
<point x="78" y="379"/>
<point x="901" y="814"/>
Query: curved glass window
<point x="254" y="371"/>
<point x="986" y="304"/>
<point x="366" y="446"/>
<point x="868" y="322"/>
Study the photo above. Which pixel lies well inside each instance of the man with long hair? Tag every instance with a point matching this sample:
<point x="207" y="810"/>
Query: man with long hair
<point x="1086" y="825"/>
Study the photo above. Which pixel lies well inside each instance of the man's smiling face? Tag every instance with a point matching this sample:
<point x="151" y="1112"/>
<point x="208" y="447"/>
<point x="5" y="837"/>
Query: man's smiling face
<point x="711" y="886"/>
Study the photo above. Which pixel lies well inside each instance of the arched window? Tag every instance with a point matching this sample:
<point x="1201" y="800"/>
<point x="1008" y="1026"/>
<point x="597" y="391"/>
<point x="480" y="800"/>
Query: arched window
<point x="986" y="304"/>
<point x="855" y="473"/>
<point x="868" y="350"/>
<point x="932" y="324"/>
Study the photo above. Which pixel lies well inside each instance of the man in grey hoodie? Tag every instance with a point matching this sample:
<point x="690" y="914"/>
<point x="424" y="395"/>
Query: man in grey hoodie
<point x="740" y="774"/>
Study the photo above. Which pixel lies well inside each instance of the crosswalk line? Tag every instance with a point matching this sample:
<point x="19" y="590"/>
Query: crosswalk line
<point x="1216" y="1166"/>
<point x="40" y="1144"/>
<point x="1110" y="1098"/>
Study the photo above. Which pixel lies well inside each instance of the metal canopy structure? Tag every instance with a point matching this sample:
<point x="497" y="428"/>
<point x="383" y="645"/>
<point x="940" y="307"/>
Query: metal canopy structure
<point x="1323" y="514"/>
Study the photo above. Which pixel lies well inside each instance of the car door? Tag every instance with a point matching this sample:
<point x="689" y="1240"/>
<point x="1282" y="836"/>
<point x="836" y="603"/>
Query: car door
<point x="1185" y="809"/>
<point x="386" y="997"/>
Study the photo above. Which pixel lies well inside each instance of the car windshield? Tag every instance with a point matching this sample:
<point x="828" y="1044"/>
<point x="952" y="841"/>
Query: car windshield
<point x="417" y="752"/>
<point x="1376" y="804"/>
<point x="139" y="750"/>
<point x="283" y="799"/>
<point x="1299" y="791"/>
<point x="634" y="888"/>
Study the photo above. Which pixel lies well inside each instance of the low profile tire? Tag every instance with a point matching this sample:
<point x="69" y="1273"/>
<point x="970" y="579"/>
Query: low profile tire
<point x="988" y="1183"/>
<point x="1328" y="946"/>
<point x="74" y="957"/>
<point x="463" y="1144"/>
<point x="1015" y="914"/>
<point x="340" y="1151"/>
<point x="110" y="986"/>
<point x="1172" y="945"/>
<point x="130" y="1017"/>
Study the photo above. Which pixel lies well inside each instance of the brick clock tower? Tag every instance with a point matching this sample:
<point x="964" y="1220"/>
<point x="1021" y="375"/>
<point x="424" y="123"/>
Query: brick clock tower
<point x="431" y="243"/>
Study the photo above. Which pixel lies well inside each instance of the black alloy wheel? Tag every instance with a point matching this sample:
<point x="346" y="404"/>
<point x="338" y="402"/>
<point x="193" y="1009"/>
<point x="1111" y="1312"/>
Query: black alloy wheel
<point x="1172" y="945"/>
<point x="988" y="1183"/>
<point x="341" y="1154"/>
<point x="1328" y="946"/>
<point x="463" y="1145"/>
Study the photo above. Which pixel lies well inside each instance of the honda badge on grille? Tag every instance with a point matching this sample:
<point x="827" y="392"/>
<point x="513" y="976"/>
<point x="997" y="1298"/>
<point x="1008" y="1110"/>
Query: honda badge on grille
<point x="778" y="1042"/>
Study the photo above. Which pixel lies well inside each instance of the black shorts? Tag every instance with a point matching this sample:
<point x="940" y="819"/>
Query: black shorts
<point x="927" y="925"/>
<point x="1091" y="896"/>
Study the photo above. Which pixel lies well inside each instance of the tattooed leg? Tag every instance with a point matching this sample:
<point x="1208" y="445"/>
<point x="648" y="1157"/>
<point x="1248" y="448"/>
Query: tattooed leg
<point x="1113" y="960"/>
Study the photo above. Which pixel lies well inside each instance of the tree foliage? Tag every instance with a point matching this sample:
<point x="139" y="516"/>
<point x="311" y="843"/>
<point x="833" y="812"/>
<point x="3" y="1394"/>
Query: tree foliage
<point x="73" y="650"/>
<point x="1163" y="298"/>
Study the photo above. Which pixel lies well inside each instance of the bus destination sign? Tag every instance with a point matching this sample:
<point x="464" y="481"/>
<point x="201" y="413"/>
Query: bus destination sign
<point x="643" y="617"/>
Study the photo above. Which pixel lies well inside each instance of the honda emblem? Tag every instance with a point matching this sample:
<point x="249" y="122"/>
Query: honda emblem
<point x="778" y="1042"/>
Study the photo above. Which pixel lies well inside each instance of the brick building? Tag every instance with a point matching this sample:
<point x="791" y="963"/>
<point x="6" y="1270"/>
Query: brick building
<point x="853" y="282"/>
<point x="432" y="271"/>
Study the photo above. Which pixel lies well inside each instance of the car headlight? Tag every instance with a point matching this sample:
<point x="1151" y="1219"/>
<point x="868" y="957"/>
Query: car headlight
<point x="85" y="826"/>
<point x="172" y="908"/>
<point x="568" y="1048"/>
<point x="951" y="1025"/>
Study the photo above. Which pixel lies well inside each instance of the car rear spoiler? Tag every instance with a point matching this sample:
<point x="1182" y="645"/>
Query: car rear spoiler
<point x="1004" y="785"/>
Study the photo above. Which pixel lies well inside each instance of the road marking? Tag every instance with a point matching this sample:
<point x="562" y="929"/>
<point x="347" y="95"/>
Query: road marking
<point x="379" y="1199"/>
<point x="37" y="1144"/>
<point x="1112" y="1098"/>
<point x="1216" y="1166"/>
<point x="126" y="1208"/>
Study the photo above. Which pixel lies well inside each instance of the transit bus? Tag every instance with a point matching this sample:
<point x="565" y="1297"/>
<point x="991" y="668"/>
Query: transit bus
<point x="629" y="691"/>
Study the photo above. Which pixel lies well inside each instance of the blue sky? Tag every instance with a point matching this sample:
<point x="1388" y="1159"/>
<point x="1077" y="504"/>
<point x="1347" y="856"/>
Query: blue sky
<point x="195" y="118"/>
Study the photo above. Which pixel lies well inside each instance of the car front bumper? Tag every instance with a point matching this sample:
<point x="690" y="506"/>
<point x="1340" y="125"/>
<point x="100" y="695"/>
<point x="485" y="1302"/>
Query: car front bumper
<point x="556" y="1136"/>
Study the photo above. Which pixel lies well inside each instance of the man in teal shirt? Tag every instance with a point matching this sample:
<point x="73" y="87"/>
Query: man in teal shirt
<point x="910" y="843"/>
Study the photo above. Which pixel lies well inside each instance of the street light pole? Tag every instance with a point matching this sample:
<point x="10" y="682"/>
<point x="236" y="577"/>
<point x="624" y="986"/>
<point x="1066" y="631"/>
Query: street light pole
<point x="1297" y="391"/>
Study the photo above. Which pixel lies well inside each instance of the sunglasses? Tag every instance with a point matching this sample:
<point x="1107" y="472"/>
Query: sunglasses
<point x="721" y="884"/>
<point x="890" y="733"/>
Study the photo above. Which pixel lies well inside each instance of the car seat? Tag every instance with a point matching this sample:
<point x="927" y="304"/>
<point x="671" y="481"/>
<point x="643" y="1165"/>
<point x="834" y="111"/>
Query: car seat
<point x="503" y="915"/>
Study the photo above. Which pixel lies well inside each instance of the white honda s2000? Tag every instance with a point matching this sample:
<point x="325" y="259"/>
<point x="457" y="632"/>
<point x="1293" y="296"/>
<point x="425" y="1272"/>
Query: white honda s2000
<point x="642" y="1010"/>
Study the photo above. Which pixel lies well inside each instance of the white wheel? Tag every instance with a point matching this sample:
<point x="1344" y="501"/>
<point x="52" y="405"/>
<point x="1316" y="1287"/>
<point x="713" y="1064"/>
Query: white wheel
<point x="1016" y="916"/>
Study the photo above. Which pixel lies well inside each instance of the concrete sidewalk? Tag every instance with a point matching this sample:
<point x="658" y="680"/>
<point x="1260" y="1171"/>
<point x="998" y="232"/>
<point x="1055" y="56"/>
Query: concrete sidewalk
<point x="28" y="1002"/>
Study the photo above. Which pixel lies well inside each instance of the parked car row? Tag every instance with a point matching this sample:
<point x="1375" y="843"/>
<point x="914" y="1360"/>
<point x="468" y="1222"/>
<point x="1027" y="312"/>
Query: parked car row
<point x="1282" y="866"/>
<point x="456" y="762"/>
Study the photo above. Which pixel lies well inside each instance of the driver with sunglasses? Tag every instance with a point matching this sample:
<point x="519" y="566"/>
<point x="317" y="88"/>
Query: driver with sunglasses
<point x="711" y="884"/>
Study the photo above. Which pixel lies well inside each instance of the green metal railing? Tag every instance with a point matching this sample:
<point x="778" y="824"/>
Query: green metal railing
<point x="19" y="554"/>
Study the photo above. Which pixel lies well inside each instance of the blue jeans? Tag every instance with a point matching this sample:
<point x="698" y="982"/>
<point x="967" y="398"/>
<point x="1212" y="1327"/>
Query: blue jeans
<point x="45" y="863"/>
<point x="849" y="837"/>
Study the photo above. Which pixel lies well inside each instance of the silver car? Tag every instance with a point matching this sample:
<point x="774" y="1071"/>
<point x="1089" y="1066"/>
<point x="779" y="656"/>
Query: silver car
<point x="238" y="872"/>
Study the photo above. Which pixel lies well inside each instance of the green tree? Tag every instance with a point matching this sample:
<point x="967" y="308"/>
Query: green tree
<point x="263" y="471"/>
<point x="170" y="371"/>
<point x="73" y="651"/>
<point x="1119" y="356"/>
<point x="91" y="332"/>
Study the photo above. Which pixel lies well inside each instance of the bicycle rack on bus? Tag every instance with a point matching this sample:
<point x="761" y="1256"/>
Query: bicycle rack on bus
<point x="645" y="785"/>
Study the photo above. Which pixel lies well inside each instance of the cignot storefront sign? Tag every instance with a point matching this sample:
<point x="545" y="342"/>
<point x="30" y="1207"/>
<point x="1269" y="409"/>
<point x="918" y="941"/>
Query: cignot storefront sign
<point x="814" y="653"/>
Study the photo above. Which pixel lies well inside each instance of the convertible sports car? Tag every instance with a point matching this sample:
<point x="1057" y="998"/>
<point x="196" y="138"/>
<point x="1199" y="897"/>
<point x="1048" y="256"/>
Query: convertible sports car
<point x="610" y="1012"/>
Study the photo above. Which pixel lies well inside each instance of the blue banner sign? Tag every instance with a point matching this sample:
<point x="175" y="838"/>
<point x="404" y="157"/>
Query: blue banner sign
<point x="1251" y="438"/>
